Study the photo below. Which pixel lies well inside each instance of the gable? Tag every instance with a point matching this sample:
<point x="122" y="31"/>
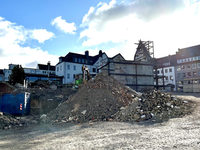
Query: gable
<point x="142" y="54"/>
<point x="118" y="58"/>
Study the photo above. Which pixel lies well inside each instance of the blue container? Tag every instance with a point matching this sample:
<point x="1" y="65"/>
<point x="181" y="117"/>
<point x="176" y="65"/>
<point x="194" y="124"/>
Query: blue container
<point x="18" y="104"/>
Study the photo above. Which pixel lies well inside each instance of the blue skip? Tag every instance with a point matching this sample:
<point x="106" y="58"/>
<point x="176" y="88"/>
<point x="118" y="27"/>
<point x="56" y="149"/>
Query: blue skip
<point x="18" y="104"/>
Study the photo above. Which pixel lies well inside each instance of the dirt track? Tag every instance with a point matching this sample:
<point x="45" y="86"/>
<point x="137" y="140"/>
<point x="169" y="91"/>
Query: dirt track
<point x="177" y="133"/>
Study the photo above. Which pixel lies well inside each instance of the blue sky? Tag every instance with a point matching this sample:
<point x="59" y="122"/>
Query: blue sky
<point x="38" y="31"/>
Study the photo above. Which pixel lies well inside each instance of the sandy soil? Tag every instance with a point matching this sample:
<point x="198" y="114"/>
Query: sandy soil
<point x="177" y="133"/>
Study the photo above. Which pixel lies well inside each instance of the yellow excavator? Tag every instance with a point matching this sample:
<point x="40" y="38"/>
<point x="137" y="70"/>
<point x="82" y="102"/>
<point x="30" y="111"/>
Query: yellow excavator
<point x="84" y="77"/>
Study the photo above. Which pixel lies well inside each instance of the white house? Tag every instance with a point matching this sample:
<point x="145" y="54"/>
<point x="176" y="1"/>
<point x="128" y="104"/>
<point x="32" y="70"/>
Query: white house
<point x="166" y="68"/>
<point x="42" y="72"/>
<point x="72" y="63"/>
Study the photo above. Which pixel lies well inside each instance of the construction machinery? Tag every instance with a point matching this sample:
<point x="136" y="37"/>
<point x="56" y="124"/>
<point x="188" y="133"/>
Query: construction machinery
<point x="84" y="77"/>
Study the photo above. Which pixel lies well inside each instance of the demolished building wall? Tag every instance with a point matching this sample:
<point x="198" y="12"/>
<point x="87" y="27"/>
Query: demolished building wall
<point x="137" y="75"/>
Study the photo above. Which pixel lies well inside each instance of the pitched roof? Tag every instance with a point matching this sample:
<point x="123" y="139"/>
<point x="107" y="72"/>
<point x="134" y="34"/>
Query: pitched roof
<point x="79" y="58"/>
<point x="45" y="67"/>
<point x="188" y="52"/>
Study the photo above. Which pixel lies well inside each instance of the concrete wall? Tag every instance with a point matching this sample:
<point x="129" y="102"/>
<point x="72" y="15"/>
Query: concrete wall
<point x="131" y="73"/>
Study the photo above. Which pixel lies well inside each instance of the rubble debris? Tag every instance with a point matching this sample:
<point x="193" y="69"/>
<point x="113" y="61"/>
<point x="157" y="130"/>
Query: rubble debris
<point x="43" y="118"/>
<point x="104" y="99"/>
<point x="97" y="100"/>
<point x="8" y="121"/>
<point x="154" y="105"/>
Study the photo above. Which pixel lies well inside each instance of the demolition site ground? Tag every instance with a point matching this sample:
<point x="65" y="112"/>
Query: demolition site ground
<point x="177" y="133"/>
<point x="104" y="114"/>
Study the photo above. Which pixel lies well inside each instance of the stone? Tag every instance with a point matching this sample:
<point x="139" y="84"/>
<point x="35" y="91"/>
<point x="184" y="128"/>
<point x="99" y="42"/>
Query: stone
<point x="84" y="112"/>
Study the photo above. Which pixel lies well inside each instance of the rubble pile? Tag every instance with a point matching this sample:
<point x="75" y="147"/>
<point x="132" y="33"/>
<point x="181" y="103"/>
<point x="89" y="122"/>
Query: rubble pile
<point x="97" y="100"/>
<point x="105" y="99"/>
<point x="154" y="105"/>
<point x="44" y="100"/>
<point x="7" y="122"/>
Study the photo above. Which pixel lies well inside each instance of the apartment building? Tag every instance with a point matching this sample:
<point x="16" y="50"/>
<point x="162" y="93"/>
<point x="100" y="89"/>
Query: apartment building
<point x="188" y="69"/>
<point x="166" y="69"/>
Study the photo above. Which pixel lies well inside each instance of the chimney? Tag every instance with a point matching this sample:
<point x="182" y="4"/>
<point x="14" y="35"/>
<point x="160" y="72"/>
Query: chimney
<point x="49" y="64"/>
<point x="86" y="53"/>
<point x="100" y="53"/>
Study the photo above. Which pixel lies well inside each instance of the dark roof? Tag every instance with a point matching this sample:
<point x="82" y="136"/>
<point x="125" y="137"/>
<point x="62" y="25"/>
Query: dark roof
<point x="45" y="67"/>
<point x="116" y="56"/>
<point x="188" y="52"/>
<point x="166" y="61"/>
<point x="79" y="58"/>
<point x="1" y="71"/>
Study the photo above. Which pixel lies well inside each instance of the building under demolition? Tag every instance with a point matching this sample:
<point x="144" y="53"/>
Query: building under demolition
<point x="137" y="74"/>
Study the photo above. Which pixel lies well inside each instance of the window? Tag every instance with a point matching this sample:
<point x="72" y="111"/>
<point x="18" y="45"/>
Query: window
<point x="198" y="65"/>
<point x="166" y="78"/>
<point x="189" y="74"/>
<point x="184" y="75"/>
<point x="162" y="71"/>
<point x="188" y="67"/>
<point x="158" y="72"/>
<point x="182" y="67"/>
<point x="75" y="60"/>
<point x="166" y="70"/>
<point x="194" y="73"/>
<point x="170" y="69"/>
<point x="171" y="78"/>
<point x="178" y="75"/>
<point x="83" y="61"/>
<point x="194" y="66"/>
<point x="68" y="76"/>
<point x="58" y="68"/>
<point x="178" y="68"/>
<point x="74" y="76"/>
<point x="79" y="60"/>
<point x="93" y="69"/>
<point x="195" y="81"/>
<point x="74" y="67"/>
<point x="68" y="67"/>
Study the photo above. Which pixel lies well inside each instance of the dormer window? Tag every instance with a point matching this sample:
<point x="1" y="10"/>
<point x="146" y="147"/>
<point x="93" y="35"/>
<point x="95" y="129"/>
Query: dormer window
<point x="75" y="60"/>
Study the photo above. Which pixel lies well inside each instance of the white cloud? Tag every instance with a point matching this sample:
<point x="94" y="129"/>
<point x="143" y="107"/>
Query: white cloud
<point x="12" y="37"/>
<point x="63" y="25"/>
<point x="41" y="35"/>
<point x="171" y="24"/>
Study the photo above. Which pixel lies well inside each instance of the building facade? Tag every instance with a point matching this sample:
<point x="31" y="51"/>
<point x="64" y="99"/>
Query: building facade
<point x="1" y="75"/>
<point x="166" y="72"/>
<point x="71" y="65"/>
<point x="188" y="69"/>
<point x="42" y="72"/>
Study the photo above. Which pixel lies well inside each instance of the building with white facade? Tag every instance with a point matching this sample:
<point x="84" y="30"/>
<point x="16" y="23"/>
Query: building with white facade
<point x="42" y="72"/>
<point x="71" y="65"/>
<point x="166" y="70"/>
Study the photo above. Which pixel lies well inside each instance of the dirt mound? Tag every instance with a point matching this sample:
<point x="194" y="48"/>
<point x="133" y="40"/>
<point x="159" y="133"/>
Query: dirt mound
<point x="97" y="100"/>
<point x="104" y="98"/>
